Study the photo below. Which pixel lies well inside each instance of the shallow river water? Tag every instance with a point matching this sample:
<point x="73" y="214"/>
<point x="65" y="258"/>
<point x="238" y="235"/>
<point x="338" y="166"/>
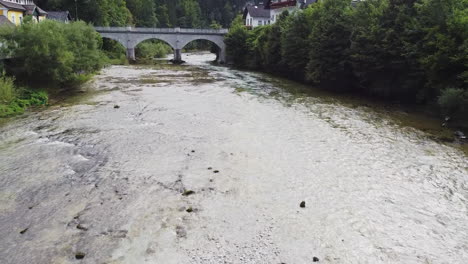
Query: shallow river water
<point x="205" y="164"/>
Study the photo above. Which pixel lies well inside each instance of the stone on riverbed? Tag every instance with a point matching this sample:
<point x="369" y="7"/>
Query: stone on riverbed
<point x="188" y="192"/>
<point x="460" y="135"/>
<point x="80" y="255"/>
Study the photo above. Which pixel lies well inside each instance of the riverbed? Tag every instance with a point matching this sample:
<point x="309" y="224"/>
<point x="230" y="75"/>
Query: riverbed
<point x="199" y="163"/>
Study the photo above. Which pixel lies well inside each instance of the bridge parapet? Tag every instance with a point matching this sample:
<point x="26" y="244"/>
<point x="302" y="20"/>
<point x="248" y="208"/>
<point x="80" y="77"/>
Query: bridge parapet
<point x="161" y="30"/>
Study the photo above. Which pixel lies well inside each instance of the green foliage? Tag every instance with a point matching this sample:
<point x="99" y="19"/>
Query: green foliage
<point x="329" y="42"/>
<point x="149" y="13"/>
<point x="20" y="99"/>
<point x="144" y="12"/>
<point x="454" y="102"/>
<point x="151" y="49"/>
<point x="162" y="14"/>
<point x="215" y="25"/>
<point x="28" y="19"/>
<point x="97" y="12"/>
<point x="7" y="90"/>
<point x="295" y="43"/>
<point x="112" y="49"/>
<point x="382" y="59"/>
<point x="189" y="14"/>
<point x="236" y="42"/>
<point x="52" y="52"/>
<point x="442" y="49"/>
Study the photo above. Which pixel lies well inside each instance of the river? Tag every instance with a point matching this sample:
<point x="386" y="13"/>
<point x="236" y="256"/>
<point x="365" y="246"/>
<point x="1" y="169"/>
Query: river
<point x="206" y="164"/>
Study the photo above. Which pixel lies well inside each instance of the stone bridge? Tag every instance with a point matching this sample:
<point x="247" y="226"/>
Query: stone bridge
<point x="177" y="38"/>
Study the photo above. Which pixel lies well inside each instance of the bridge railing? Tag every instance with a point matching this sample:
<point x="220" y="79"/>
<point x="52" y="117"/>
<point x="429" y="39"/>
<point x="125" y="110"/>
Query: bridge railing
<point x="162" y="30"/>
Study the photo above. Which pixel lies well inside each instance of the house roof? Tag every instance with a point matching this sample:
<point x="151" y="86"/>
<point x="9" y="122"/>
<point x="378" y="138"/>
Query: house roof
<point x="306" y="3"/>
<point x="5" y="21"/>
<point x="41" y="11"/>
<point x="59" y="15"/>
<point x="285" y="3"/>
<point x="12" y="5"/>
<point x="30" y="9"/>
<point x="257" y="11"/>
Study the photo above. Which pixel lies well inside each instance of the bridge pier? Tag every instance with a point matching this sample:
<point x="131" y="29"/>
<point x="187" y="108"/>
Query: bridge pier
<point x="222" y="56"/>
<point x="177" y="56"/>
<point x="131" y="54"/>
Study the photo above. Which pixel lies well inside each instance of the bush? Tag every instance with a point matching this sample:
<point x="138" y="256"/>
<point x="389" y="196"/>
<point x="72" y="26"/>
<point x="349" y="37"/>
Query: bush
<point x="23" y="100"/>
<point x="113" y="49"/>
<point x="454" y="103"/>
<point x="51" y="52"/>
<point x="152" y="49"/>
<point x="7" y="90"/>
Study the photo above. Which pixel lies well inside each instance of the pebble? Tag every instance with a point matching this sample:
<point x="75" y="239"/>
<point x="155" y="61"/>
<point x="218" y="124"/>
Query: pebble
<point x="116" y="106"/>
<point x="188" y="192"/>
<point x="302" y="205"/>
<point x="80" y="255"/>
<point x="315" y="259"/>
<point x="82" y="227"/>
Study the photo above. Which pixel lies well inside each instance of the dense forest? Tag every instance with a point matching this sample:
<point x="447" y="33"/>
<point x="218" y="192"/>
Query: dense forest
<point x="150" y="13"/>
<point x="408" y="51"/>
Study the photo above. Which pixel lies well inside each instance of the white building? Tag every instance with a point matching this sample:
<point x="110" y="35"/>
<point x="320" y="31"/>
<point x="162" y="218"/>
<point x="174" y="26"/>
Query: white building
<point x="268" y="13"/>
<point x="256" y="15"/>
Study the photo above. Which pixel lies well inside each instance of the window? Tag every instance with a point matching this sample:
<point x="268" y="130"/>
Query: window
<point x="251" y="21"/>
<point x="21" y="19"/>
<point x="260" y="22"/>
<point x="13" y="19"/>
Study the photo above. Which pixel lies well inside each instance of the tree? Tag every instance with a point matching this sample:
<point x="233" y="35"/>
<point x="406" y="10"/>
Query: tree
<point x="295" y="44"/>
<point x="189" y="14"/>
<point x="162" y="15"/>
<point x="144" y="12"/>
<point x="329" y="42"/>
<point x="236" y="42"/>
<point x="442" y="48"/>
<point x="228" y="14"/>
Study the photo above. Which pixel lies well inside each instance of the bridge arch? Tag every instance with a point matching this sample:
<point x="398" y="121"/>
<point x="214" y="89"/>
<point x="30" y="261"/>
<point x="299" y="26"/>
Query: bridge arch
<point x="117" y="38"/>
<point x="169" y="40"/>
<point x="218" y="41"/>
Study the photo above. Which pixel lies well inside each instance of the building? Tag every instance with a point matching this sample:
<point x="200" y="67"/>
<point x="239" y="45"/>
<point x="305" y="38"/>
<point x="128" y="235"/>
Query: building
<point x="268" y="13"/>
<point x="61" y="16"/>
<point x="15" y="10"/>
<point x="256" y="15"/>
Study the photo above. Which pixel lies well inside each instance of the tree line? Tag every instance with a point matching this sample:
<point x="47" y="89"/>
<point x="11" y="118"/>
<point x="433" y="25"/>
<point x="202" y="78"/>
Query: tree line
<point x="150" y="13"/>
<point x="411" y="51"/>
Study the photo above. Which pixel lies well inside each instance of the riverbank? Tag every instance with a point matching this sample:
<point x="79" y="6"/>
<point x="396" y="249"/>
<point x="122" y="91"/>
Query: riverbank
<point x="419" y="118"/>
<point x="191" y="171"/>
<point x="352" y="48"/>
